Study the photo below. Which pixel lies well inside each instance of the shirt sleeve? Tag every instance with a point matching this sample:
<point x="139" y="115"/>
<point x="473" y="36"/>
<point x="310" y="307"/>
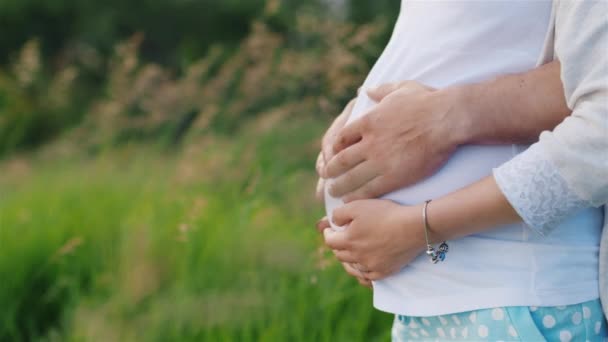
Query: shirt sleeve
<point x="536" y="190"/>
<point x="567" y="170"/>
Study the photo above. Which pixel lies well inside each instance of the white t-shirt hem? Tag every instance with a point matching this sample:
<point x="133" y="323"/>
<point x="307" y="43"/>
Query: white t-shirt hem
<point x="483" y="299"/>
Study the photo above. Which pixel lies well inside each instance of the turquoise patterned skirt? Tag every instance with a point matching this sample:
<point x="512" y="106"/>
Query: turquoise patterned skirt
<point x="579" y="322"/>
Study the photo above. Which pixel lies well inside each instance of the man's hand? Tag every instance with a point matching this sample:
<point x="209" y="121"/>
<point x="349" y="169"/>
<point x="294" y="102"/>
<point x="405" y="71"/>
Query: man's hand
<point x="327" y="144"/>
<point x="380" y="236"/>
<point x="405" y="138"/>
<point x="350" y="269"/>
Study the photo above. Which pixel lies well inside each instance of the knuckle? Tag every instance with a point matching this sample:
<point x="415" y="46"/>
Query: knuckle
<point x="346" y="179"/>
<point x="365" y="192"/>
<point x="375" y="263"/>
<point x="373" y="121"/>
<point x="375" y="276"/>
<point x="334" y="189"/>
<point x="348" y="245"/>
<point x="345" y="257"/>
<point x="390" y="87"/>
<point x="371" y="265"/>
<point x="342" y="160"/>
<point x="340" y="140"/>
<point x="366" y="123"/>
<point x="353" y="197"/>
<point x="331" y="168"/>
<point x="348" y="239"/>
<point x="364" y="261"/>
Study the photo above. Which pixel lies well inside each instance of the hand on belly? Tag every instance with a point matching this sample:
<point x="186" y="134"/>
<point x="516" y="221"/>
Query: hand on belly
<point x="400" y="141"/>
<point x="380" y="237"/>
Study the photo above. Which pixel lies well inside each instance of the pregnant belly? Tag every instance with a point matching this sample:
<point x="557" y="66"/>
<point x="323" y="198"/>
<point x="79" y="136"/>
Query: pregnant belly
<point x="468" y="165"/>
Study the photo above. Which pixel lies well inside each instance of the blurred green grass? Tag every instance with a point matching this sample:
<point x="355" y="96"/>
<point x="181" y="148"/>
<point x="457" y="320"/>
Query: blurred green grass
<point x="214" y="242"/>
<point x="169" y="197"/>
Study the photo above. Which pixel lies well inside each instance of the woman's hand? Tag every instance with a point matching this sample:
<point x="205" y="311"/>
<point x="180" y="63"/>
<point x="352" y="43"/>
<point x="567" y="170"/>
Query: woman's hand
<point x="380" y="236"/>
<point x="350" y="269"/>
<point x="410" y="133"/>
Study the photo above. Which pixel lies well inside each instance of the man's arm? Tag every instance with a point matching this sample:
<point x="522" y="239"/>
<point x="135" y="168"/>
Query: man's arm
<point x="414" y="129"/>
<point x="511" y="108"/>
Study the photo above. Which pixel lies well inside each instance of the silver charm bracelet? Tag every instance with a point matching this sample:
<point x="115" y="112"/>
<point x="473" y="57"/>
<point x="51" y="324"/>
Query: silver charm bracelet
<point x="438" y="254"/>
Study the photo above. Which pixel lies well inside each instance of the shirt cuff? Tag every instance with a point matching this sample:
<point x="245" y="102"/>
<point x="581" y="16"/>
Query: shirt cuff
<point x="536" y="190"/>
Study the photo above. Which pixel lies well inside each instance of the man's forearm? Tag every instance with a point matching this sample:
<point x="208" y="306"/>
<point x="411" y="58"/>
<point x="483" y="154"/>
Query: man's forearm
<point x="511" y="108"/>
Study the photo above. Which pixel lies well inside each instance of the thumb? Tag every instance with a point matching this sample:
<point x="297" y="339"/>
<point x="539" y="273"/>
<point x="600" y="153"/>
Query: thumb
<point x="343" y="215"/>
<point x="380" y="92"/>
<point x="323" y="224"/>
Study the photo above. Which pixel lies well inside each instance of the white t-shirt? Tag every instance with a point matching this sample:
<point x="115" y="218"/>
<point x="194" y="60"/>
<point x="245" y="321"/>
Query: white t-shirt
<point x="443" y="43"/>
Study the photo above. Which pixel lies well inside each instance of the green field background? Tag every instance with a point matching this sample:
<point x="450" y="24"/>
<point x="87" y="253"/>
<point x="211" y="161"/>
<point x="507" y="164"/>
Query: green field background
<point x="155" y="188"/>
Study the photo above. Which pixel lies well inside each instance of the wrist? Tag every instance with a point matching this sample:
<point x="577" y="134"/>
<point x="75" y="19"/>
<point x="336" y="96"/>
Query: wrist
<point x="411" y="226"/>
<point x="438" y="230"/>
<point x="463" y="113"/>
<point x="470" y="210"/>
<point x="435" y="253"/>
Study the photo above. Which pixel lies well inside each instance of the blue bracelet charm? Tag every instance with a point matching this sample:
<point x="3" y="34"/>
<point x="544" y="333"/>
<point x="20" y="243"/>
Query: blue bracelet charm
<point x="439" y="254"/>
